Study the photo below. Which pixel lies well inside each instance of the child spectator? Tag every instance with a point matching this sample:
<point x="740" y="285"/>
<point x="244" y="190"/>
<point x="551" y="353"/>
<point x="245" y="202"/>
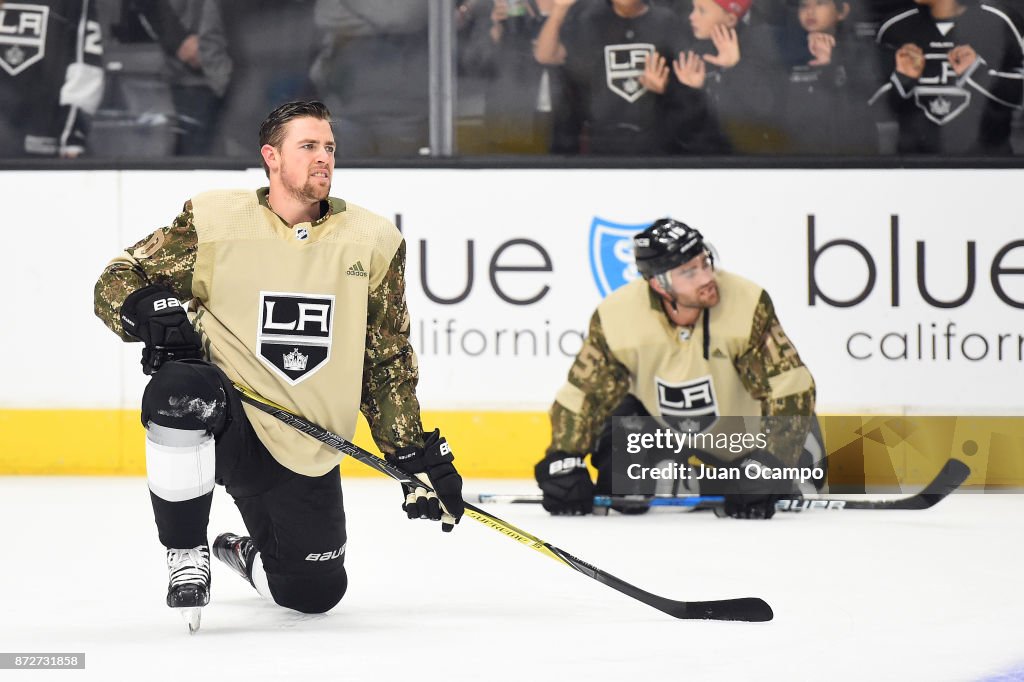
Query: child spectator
<point x="738" y="83"/>
<point x="957" y="78"/>
<point x="829" y="80"/>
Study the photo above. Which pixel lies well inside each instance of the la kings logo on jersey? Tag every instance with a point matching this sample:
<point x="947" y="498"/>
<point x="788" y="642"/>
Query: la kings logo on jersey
<point x="938" y="94"/>
<point x="623" y="66"/>
<point x="22" y="35"/>
<point x="688" y="406"/>
<point x="295" y="331"/>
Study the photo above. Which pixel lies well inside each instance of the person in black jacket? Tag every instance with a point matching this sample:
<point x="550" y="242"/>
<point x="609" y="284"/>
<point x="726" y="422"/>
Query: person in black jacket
<point x="829" y="77"/>
<point x="51" y="76"/>
<point x="735" y="65"/>
<point x="605" y="47"/>
<point x="958" y="77"/>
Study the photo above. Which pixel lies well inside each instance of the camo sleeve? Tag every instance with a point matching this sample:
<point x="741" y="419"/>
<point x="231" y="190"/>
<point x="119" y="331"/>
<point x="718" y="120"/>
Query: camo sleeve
<point x="166" y="257"/>
<point x="390" y="369"/>
<point x="772" y="371"/>
<point x="597" y="383"/>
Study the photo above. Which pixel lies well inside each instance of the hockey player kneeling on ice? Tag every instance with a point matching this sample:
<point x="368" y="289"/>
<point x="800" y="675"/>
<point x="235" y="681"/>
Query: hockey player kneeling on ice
<point x="301" y="297"/>
<point x="685" y="344"/>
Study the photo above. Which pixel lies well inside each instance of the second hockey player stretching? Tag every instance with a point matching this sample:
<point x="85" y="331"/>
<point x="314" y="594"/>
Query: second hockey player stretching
<point x="683" y="328"/>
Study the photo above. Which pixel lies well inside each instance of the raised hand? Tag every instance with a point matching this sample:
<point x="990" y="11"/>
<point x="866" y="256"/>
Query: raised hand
<point x="690" y="70"/>
<point x="910" y="61"/>
<point x="728" y="46"/>
<point x="820" y="46"/>
<point x="655" y="75"/>
<point x="962" y="57"/>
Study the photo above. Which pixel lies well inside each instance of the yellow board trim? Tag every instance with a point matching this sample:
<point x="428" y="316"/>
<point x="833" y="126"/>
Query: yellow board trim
<point x="876" y="450"/>
<point x="112" y="442"/>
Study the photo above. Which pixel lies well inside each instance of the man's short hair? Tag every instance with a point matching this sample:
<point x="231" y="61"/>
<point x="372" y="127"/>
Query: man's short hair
<point x="272" y="128"/>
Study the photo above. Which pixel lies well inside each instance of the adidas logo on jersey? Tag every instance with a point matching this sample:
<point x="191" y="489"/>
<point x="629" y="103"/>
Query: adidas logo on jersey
<point x="357" y="270"/>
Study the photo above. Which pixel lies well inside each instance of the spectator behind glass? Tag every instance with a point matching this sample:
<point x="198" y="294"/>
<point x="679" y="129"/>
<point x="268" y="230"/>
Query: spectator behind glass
<point x="518" y="97"/>
<point x="51" y="77"/>
<point x="372" y="71"/>
<point x="741" y="85"/>
<point x="191" y="33"/>
<point x="606" y="47"/>
<point x="957" y="77"/>
<point x="830" y="77"/>
<point x="200" y="71"/>
<point x="271" y="51"/>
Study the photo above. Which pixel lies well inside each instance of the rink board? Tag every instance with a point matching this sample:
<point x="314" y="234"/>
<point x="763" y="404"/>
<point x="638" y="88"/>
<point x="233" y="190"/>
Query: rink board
<point x="880" y="452"/>
<point x="901" y="300"/>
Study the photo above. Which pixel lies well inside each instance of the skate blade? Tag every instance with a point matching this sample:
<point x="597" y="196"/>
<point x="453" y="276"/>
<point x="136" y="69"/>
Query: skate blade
<point x="192" y="617"/>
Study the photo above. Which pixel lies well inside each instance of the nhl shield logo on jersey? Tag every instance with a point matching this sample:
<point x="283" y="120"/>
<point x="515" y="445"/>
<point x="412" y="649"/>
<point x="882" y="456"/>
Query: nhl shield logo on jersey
<point x="689" y="405"/>
<point x="22" y="35"/>
<point x="611" y="254"/>
<point x="623" y="66"/>
<point x="941" y="105"/>
<point x="295" y="331"/>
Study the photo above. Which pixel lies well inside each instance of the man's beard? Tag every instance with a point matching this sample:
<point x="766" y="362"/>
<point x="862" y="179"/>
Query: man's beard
<point x="308" y="193"/>
<point x="702" y="299"/>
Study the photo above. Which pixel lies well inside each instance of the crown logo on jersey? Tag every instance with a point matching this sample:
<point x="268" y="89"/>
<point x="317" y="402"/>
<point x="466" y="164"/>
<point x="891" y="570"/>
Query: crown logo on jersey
<point x="15" y="55"/>
<point x="357" y="270"/>
<point x="689" y="425"/>
<point x="940" y="106"/>
<point x="295" y="361"/>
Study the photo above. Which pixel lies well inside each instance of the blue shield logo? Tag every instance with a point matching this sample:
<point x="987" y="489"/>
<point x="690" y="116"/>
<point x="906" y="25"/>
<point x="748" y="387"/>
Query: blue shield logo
<point x="611" y="254"/>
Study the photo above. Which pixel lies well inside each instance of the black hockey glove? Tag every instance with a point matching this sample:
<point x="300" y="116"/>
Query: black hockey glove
<point x="154" y="315"/>
<point x="566" y="483"/>
<point x="755" y="497"/>
<point x="434" y="459"/>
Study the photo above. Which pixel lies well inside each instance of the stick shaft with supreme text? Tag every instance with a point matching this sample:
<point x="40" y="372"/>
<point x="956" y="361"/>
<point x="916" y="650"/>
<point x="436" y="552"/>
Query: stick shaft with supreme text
<point x="742" y="609"/>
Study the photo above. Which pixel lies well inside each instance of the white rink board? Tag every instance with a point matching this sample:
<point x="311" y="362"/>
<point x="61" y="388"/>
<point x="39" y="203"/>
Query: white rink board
<point x="965" y="359"/>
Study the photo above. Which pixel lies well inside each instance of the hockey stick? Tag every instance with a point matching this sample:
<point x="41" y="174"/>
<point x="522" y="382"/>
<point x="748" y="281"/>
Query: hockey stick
<point x="690" y="501"/>
<point x="953" y="473"/>
<point x="745" y="609"/>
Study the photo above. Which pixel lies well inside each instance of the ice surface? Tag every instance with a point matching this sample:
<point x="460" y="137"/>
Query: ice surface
<point x="858" y="595"/>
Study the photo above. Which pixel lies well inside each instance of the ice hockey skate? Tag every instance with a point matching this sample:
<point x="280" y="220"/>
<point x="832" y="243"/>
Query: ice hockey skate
<point x="236" y="551"/>
<point x="188" y="587"/>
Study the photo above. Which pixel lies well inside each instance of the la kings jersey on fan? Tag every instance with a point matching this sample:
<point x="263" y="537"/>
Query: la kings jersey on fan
<point x="942" y="112"/>
<point x="752" y="368"/>
<point x="313" y="318"/>
<point x="50" y="74"/>
<point x="605" y="57"/>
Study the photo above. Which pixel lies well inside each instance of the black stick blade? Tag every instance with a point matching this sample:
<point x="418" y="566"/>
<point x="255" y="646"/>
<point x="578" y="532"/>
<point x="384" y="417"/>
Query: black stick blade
<point x="750" y="609"/>
<point x="949" y="478"/>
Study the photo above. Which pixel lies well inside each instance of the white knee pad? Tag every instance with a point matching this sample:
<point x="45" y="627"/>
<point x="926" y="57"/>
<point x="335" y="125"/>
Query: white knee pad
<point x="179" y="463"/>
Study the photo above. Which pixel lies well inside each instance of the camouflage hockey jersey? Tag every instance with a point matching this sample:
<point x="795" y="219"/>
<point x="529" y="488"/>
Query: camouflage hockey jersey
<point x="312" y="317"/>
<point x="752" y="368"/>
